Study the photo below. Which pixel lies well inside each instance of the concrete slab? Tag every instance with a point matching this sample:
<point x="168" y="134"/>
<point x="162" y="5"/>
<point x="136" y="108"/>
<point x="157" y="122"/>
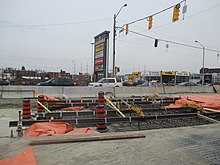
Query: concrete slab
<point x="187" y="145"/>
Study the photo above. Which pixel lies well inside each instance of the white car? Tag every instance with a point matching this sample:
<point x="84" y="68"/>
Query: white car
<point x="107" y="82"/>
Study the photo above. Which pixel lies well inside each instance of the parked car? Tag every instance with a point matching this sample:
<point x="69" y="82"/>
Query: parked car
<point x="107" y="82"/>
<point x="145" y="84"/>
<point x="60" y="81"/>
<point x="187" y="84"/>
<point x="133" y="84"/>
<point x="4" y="82"/>
<point x="152" y="83"/>
<point x="129" y="84"/>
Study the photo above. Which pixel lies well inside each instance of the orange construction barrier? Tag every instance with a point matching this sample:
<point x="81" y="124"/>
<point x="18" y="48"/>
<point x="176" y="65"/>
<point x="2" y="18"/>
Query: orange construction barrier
<point x="26" y="110"/>
<point x="25" y="157"/>
<point x="100" y="112"/>
<point x="101" y="99"/>
<point x="41" y="100"/>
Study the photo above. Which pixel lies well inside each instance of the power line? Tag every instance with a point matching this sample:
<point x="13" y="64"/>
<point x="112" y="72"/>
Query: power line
<point x="204" y="11"/>
<point x="167" y="52"/>
<point x="201" y="12"/>
<point x="146" y="17"/>
<point x="169" y="41"/>
<point x="55" y="24"/>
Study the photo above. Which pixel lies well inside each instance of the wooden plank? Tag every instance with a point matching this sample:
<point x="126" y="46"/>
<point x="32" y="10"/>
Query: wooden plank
<point x="217" y="88"/>
<point x="208" y="119"/>
<point x="86" y="139"/>
<point x="212" y="110"/>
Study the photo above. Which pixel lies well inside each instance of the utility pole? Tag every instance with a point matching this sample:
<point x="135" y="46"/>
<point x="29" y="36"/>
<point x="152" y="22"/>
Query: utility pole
<point x="203" y="62"/>
<point x="114" y="33"/>
<point x="74" y="67"/>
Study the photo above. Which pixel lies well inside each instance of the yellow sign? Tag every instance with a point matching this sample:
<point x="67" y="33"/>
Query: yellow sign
<point x="168" y="73"/>
<point x="182" y="73"/>
<point x="130" y="78"/>
<point x="136" y="74"/>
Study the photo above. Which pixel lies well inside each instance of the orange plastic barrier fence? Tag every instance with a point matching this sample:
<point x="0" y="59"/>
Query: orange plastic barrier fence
<point x="206" y="101"/>
<point x="53" y="129"/>
<point x="82" y="131"/>
<point x="25" y="157"/>
<point x="77" y="108"/>
<point x="48" y="98"/>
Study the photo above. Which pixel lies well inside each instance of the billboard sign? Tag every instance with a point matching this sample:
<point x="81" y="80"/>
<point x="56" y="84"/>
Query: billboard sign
<point x="182" y="73"/>
<point x="168" y="73"/>
<point x="101" y="55"/>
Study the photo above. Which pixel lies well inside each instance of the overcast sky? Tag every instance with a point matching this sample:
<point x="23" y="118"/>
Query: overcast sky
<point x="51" y="34"/>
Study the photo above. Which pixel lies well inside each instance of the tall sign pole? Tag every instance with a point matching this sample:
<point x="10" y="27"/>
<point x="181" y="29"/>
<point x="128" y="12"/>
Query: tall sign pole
<point x="101" y="55"/>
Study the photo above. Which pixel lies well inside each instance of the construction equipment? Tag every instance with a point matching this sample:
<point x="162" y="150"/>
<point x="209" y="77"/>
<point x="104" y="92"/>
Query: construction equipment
<point x="150" y="98"/>
<point x="194" y="106"/>
<point x="134" y="108"/>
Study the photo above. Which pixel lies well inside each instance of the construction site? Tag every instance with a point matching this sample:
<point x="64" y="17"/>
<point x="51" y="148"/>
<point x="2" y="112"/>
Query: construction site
<point x="150" y="129"/>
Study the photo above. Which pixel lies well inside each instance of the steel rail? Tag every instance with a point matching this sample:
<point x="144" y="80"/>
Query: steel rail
<point x="113" y="112"/>
<point x="107" y="120"/>
<point x="65" y="105"/>
<point x="113" y="100"/>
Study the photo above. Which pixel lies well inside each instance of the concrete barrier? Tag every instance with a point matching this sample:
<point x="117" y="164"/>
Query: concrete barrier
<point x="16" y="92"/>
<point x="137" y="91"/>
<point x="82" y="92"/>
<point x="202" y="89"/>
<point x="177" y="89"/>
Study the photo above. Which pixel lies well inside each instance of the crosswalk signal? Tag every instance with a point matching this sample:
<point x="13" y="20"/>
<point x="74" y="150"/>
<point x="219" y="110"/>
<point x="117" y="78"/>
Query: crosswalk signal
<point x="126" y="29"/>
<point x="150" y="23"/>
<point x="176" y="12"/>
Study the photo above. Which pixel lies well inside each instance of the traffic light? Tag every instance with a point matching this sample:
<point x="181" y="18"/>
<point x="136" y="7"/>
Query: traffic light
<point x="176" y="12"/>
<point x="126" y="29"/>
<point x="155" y="42"/>
<point x="150" y="23"/>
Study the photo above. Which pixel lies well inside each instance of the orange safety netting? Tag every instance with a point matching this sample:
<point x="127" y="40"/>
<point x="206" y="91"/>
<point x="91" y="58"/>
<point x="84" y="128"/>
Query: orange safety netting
<point x="206" y="101"/>
<point x="54" y="128"/>
<point x="25" y="157"/>
<point x="77" y="108"/>
<point x="48" y="98"/>
<point x="82" y="131"/>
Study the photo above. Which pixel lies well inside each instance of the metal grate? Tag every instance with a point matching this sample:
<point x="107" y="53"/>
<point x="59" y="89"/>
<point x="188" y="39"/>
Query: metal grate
<point x="205" y="146"/>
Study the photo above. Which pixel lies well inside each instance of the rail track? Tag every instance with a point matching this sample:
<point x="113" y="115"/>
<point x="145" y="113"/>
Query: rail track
<point x="155" y="117"/>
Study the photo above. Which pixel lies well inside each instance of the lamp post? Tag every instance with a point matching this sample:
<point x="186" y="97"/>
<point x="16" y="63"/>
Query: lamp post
<point x="74" y="67"/>
<point x="203" y="61"/>
<point x="114" y="33"/>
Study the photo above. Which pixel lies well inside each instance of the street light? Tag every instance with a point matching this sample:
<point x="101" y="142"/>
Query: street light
<point x="203" y="61"/>
<point x="114" y="33"/>
<point x="74" y="67"/>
